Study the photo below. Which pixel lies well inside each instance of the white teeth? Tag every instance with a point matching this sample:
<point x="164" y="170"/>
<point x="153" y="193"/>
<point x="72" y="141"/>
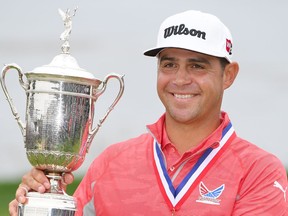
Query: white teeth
<point x="181" y="96"/>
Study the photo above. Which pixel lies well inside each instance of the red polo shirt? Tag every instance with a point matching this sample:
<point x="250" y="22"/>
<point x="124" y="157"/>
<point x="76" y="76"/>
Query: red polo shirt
<point x="243" y="180"/>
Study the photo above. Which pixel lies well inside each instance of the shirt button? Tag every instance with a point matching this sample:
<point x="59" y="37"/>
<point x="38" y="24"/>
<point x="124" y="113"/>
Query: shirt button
<point x="172" y="168"/>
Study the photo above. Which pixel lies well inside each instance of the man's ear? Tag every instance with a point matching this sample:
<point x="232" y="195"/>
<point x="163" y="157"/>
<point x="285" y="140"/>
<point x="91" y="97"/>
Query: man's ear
<point x="230" y="73"/>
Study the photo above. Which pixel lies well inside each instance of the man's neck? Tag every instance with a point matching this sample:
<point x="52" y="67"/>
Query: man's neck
<point x="186" y="136"/>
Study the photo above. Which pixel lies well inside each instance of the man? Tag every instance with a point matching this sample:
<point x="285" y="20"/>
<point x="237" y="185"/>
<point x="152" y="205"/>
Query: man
<point x="191" y="162"/>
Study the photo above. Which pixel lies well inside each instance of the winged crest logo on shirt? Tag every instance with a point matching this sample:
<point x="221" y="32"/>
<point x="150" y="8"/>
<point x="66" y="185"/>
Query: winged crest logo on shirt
<point x="210" y="196"/>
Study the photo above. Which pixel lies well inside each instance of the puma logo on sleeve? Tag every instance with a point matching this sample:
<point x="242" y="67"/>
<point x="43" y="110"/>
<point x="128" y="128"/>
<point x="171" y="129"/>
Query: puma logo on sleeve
<point x="278" y="185"/>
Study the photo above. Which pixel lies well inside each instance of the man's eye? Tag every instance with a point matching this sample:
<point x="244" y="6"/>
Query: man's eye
<point x="169" y="65"/>
<point x="197" y="66"/>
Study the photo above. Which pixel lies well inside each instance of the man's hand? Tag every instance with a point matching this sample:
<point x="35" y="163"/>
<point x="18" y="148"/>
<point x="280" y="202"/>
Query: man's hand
<point x="34" y="180"/>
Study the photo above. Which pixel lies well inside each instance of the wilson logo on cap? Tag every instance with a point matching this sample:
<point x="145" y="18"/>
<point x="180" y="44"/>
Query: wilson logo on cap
<point x="181" y="29"/>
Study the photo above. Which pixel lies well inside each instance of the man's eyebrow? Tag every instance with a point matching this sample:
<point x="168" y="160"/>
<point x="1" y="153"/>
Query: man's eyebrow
<point x="199" y="60"/>
<point x="166" y="58"/>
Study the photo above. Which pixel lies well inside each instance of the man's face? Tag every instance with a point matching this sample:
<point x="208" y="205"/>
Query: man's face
<point x="190" y="85"/>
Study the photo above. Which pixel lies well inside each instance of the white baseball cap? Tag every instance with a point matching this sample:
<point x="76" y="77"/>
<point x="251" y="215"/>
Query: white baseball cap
<point x="196" y="31"/>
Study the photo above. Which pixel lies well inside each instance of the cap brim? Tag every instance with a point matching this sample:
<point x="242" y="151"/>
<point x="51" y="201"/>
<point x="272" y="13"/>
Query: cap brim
<point x="153" y="52"/>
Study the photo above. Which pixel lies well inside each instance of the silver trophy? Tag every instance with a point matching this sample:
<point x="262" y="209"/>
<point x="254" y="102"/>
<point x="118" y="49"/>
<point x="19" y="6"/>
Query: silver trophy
<point x="59" y="122"/>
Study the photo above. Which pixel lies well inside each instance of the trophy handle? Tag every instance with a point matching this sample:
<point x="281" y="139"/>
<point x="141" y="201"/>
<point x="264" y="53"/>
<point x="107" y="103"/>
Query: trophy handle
<point x="93" y="132"/>
<point x="6" y="68"/>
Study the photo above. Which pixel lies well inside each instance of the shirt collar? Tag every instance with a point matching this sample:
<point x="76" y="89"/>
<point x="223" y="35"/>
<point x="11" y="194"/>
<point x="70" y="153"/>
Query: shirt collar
<point x="158" y="131"/>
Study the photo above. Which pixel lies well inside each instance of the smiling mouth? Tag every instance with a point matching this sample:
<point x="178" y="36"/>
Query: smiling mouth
<point x="183" y="96"/>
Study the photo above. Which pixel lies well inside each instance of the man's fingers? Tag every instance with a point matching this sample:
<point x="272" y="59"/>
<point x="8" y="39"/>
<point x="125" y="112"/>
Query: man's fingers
<point x="21" y="193"/>
<point x="37" y="180"/>
<point x="68" y="178"/>
<point x="13" y="207"/>
<point x="24" y="188"/>
<point x="40" y="177"/>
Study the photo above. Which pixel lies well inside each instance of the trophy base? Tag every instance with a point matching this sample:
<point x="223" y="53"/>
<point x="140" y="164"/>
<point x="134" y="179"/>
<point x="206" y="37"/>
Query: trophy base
<point x="47" y="204"/>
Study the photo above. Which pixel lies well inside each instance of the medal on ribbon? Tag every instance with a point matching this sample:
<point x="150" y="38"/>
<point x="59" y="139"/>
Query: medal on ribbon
<point x="175" y="197"/>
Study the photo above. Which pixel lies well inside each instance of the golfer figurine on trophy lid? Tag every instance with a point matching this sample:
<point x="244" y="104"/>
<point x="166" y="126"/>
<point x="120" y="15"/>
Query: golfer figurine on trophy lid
<point x="58" y="128"/>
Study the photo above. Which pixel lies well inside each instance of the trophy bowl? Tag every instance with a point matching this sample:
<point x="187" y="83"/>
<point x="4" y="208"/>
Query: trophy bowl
<point x="59" y="116"/>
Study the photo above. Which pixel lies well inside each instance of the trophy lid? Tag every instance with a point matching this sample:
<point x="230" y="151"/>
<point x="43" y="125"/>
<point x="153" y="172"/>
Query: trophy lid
<point x="64" y="64"/>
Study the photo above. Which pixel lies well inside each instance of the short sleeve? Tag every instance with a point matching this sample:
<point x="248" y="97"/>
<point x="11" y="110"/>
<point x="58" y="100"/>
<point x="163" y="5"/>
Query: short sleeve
<point x="263" y="191"/>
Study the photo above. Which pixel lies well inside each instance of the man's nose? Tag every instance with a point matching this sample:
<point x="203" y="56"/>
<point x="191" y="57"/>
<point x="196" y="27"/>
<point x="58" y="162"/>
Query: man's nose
<point x="182" y="77"/>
